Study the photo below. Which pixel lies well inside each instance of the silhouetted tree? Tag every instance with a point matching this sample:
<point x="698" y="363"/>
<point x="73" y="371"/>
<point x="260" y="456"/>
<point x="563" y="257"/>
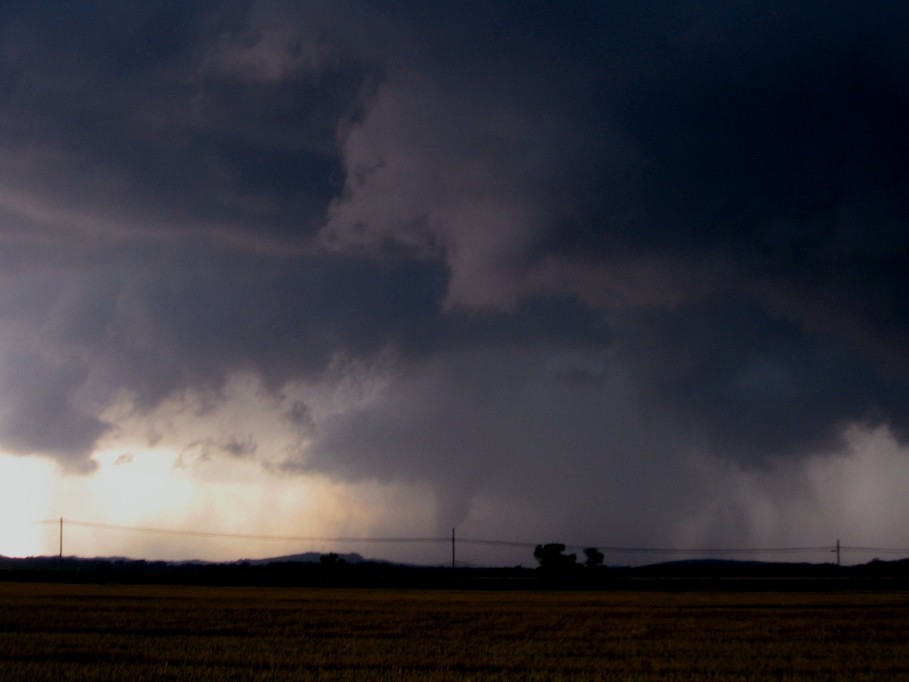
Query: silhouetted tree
<point x="552" y="558"/>
<point x="332" y="560"/>
<point x="594" y="557"/>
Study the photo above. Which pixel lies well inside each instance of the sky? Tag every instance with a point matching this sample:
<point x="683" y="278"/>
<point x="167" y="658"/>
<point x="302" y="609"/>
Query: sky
<point x="616" y="274"/>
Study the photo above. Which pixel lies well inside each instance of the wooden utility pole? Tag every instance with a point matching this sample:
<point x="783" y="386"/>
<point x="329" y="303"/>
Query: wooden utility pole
<point x="60" y="560"/>
<point x="837" y="551"/>
<point x="452" y="550"/>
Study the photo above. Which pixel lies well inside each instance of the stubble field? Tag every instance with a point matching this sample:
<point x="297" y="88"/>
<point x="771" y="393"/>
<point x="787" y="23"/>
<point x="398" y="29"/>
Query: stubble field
<point x="97" y="632"/>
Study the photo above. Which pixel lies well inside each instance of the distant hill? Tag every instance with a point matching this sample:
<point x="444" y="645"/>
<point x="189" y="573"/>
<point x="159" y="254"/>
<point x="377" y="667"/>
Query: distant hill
<point x="308" y="558"/>
<point x="721" y="564"/>
<point x="304" y="558"/>
<point x="732" y="568"/>
<point x="352" y="569"/>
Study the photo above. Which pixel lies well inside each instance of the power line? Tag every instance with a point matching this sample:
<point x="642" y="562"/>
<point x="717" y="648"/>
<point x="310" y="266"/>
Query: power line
<point x="245" y="536"/>
<point x="655" y="550"/>
<point x="878" y="550"/>
<point x="689" y="551"/>
<point x="660" y="550"/>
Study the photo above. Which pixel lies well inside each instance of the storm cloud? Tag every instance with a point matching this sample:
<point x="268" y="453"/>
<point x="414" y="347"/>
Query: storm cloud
<point x="598" y="248"/>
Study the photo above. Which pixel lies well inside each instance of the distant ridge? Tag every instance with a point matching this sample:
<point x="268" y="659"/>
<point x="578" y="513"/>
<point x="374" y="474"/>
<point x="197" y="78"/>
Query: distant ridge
<point x="308" y="558"/>
<point x="734" y="568"/>
<point x="352" y="569"/>
<point x="726" y="563"/>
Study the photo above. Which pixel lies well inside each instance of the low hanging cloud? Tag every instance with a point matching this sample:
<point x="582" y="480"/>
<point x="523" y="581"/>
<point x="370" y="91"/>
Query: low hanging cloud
<point x="588" y="247"/>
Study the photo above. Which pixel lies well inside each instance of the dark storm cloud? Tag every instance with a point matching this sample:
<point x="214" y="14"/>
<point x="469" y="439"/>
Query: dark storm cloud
<point x="191" y="324"/>
<point x="169" y="118"/>
<point x="753" y="387"/>
<point x="559" y="434"/>
<point x="725" y="181"/>
<point x="586" y="242"/>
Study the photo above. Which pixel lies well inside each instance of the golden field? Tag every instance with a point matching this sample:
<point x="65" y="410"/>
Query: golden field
<point x="121" y="632"/>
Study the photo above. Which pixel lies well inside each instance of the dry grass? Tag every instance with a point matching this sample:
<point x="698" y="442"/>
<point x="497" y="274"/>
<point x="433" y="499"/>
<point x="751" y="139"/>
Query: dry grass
<point x="83" y="632"/>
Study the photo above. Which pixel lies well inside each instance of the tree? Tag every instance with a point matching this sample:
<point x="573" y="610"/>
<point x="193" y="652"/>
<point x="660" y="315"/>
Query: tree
<point x="332" y="560"/>
<point x="552" y="558"/>
<point x="594" y="557"/>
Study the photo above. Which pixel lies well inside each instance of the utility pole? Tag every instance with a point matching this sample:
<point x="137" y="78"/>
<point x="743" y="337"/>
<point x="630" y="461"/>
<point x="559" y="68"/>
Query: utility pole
<point x="60" y="560"/>
<point x="837" y="551"/>
<point x="452" y="550"/>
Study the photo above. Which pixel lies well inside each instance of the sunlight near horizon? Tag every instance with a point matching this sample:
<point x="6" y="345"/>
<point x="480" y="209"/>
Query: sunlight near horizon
<point x="128" y="488"/>
<point x="26" y="485"/>
<point x="155" y="489"/>
<point x="123" y="490"/>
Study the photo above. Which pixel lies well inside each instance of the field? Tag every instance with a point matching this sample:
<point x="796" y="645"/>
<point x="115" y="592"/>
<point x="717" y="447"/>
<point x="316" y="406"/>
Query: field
<point x="100" y="632"/>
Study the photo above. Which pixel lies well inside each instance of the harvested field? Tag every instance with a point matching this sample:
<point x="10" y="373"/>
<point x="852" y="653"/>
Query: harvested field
<point x="92" y="632"/>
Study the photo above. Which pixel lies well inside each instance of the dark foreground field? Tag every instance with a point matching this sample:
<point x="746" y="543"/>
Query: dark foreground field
<point x="91" y="632"/>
